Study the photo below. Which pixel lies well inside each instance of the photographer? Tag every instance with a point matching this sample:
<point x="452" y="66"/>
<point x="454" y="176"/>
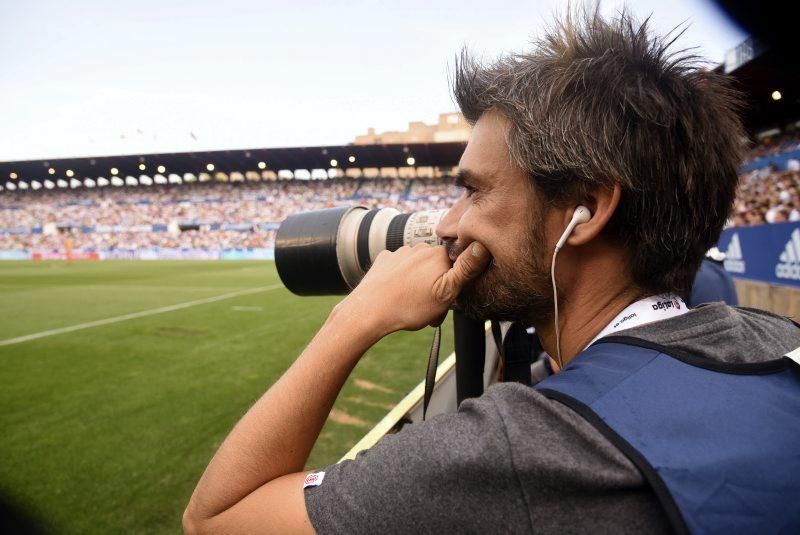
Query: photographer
<point x="603" y="147"/>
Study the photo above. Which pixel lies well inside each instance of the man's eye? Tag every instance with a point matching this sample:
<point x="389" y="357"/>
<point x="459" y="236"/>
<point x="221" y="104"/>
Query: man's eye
<point x="470" y="190"/>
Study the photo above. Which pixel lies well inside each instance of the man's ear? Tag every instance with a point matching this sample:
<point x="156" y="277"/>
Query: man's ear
<point x="602" y="203"/>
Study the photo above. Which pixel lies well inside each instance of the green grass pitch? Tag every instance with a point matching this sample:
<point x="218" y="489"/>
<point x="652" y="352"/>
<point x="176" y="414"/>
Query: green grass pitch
<point x="107" y="429"/>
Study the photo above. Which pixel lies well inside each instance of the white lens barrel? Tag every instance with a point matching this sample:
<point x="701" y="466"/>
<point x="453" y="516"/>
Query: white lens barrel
<point x="421" y="227"/>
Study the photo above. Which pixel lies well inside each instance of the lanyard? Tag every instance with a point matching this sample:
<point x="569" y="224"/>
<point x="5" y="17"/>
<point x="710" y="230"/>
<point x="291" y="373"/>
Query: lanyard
<point x="647" y="310"/>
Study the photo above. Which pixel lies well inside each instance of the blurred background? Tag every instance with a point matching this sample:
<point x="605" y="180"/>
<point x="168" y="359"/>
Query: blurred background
<point x="150" y="150"/>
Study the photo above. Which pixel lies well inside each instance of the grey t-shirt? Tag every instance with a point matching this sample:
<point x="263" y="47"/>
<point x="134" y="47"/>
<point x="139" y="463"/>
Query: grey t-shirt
<point x="516" y="461"/>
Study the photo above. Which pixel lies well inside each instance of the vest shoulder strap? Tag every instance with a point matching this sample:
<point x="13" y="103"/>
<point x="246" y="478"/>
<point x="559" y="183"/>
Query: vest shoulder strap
<point x="717" y="443"/>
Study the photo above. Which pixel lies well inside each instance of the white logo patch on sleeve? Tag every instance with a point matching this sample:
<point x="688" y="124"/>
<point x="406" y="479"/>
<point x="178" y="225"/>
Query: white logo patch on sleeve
<point x="313" y="480"/>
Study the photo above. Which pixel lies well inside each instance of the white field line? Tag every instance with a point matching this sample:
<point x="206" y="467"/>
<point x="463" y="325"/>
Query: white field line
<point x="135" y="315"/>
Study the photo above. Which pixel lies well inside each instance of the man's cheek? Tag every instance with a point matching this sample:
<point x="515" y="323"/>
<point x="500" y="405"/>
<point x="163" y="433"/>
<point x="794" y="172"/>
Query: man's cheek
<point x="490" y="277"/>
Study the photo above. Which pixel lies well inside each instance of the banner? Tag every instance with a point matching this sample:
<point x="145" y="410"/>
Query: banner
<point x="177" y="254"/>
<point x="241" y="227"/>
<point x="61" y="255"/>
<point x="14" y="255"/>
<point x="143" y="254"/>
<point x="780" y="161"/>
<point x="247" y="254"/>
<point x="111" y="229"/>
<point x="119" y="254"/>
<point x="766" y="253"/>
<point x="16" y="230"/>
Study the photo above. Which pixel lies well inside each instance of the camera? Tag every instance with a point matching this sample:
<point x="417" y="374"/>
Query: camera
<point x="328" y="252"/>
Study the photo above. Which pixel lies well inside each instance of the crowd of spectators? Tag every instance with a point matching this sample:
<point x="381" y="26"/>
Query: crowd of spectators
<point x="767" y="196"/>
<point x="769" y="192"/>
<point x="109" y="219"/>
<point x="260" y="202"/>
<point x="201" y="215"/>
<point x="772" y="146"/>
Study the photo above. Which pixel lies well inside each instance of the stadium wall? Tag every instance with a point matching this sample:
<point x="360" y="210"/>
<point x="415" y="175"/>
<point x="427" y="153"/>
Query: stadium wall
<point x="764" y="261"/>
<point x="782" y="300"/>
<point x="763" y="253"/>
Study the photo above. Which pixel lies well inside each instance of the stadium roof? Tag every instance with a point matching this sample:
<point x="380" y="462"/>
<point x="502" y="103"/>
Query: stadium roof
<point x="275" y="159"/>
<point x="760" y="72"/>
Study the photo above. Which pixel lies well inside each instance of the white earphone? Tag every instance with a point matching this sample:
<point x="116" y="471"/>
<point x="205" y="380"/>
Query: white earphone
<point x="581" y="215"/>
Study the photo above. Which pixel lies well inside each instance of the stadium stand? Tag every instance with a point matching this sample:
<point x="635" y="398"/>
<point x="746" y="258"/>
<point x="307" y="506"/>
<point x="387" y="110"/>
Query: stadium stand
<point x="215" y="215"/>
<point x="114" y="222"/>
<point x="196" y="216"/>
<point x="245" y="215"/>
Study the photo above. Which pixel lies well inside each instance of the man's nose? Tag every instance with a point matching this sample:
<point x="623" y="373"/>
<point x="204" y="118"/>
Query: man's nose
<point x="447" y="229"/>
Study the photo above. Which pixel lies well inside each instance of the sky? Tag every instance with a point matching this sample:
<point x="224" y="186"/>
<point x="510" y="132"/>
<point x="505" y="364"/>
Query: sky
<point x="99" y="78"/>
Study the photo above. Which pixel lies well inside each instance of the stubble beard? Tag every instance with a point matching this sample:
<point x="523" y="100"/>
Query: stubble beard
<point x="518" y="290"/>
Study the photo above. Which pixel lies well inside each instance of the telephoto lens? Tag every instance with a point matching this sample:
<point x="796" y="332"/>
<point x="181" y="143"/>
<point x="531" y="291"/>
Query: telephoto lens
<point x="328" y="252"/>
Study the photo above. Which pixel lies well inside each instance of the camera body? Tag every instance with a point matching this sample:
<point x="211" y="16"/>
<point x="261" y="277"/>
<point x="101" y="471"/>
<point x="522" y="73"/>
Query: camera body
<point x="328" y="252"/>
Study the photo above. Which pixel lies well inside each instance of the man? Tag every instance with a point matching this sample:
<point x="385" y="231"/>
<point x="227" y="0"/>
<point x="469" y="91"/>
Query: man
<point x="599" y="115"/>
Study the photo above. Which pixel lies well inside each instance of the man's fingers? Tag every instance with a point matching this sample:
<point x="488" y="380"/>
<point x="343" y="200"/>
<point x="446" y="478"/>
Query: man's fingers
<point x="468" y="265"/>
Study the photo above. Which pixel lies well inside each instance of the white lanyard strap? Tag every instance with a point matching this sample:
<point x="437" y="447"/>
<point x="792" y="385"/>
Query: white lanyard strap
<point x="647" y="310"/>
<point x="794" y="355"/>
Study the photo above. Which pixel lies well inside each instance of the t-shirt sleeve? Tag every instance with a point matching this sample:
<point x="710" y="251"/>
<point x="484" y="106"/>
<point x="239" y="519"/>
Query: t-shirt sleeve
<point x="436" y="476"/>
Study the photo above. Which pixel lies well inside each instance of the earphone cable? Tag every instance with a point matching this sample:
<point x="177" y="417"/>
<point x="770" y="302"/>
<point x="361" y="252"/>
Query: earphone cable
<point x="555" y="308"/>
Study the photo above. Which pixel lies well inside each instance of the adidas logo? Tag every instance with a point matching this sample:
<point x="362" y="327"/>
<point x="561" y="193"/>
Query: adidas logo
<point x="734" y="261"/>
<point x="789" y="265"/>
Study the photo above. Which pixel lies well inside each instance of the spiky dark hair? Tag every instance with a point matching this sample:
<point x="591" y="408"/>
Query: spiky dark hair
<point x="602" y="101"/>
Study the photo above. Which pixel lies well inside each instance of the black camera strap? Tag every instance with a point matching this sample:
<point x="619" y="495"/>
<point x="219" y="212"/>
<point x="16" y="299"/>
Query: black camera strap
<point x="433" y="363"/>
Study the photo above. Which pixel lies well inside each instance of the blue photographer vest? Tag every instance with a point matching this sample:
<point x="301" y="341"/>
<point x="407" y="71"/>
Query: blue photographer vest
<point x="718" y="443"/>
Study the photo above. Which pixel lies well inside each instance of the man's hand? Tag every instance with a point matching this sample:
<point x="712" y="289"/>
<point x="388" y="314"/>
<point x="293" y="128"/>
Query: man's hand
<point x="254" y="483"/>
<point x="412" y="287"/>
